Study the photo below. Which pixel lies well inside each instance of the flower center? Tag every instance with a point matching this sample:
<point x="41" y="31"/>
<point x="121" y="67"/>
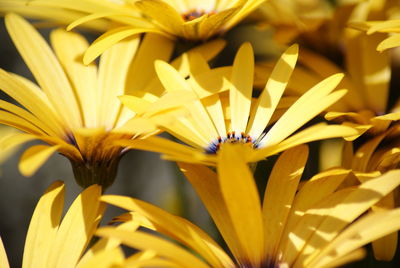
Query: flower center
<point x="194" y="14"/>
<point x="231" y="137"/>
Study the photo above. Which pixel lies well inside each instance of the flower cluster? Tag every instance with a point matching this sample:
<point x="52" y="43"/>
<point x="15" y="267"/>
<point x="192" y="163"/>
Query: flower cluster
<point x="235" y="93"/>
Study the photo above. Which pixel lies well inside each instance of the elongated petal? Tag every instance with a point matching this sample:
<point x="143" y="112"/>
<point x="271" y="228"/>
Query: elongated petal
<point x="110" y="38"/>
<point x="237" y="183"/>
<point x="279" y="195"/>
<point x="205" y="182"/>
<point x="272" y="92"/>
<point x="242" y="87"/>
<point x="362" y="232"/>
<point x="43" y="227"/>
<point x="113" y="71"/>
<point x="69" y="48"/>
<point x="105" y="244"/>
<point x="166" y="16"/>
<point x="390" y="42"/>
<point x="215" y="22"/>
<point x="385" y="247"/>
<point x="173" y="226"/>
<point x="144" y="241"/>
<point x="153" y="47"/>
<point x="313" y="191"/>
<point x="76" y="229"/>
<point x="33" y="99"/>
<point x="105" y="259"/>
<point x="314" y="133"/>
<point x="46" y="69"/>
<point x="304" y="109"/>
<point x="34" y="157"/>
<point x="337" y="212"/>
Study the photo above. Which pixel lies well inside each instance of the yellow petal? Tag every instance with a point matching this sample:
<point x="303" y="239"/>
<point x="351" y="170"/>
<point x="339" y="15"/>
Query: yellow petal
<point x="25" y="115"/>
<point x="212" y="24"/>
<point x="144" y="241"/>
<point x="208" y="51"/>
<point x="237" y="184"/>
<point x="205" y="183"/>
<point x="158" y="144"/>
<point x="76" y="229"/>
<point x="46" y="69"/>
<point x="110" y="38"/>
<point x="314" y="133"/>
<point x="173" y="226"/>
<point x="279" y="195"/>
<point x="69" y="48"/>
<point x="242" y="87"/>
<point x="313" y="191"/>
<point x="43" y="227"/>
<point x="166" y="16"/>
<point x="338" y="211"/>
<point x="364" y="153"/>
<point x="272" y="92"/>
<point x="112" y="75"/>
<point x="383" y="25"/>
<point x="211" y="82"/>
<point x="33" y="99"/>
<point x="105" y="244"/>
<point x="390" y="42"/>
<point x="34" y="157"/>
<point x="3" y="256"/>
<point x="106" y="258"/>
<point x="385" y="247"/>
<point x="304" y="109"/>
<point x="153" y="47"/>
<point x="367" y="229"/>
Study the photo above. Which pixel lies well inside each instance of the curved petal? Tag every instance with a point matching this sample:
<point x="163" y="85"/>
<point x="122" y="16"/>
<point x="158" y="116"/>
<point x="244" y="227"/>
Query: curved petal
<point x="279" y="195"/>
<point x="34" y="157"/>
<point x="144" y="241"/>
<point x="43" y="226"/>
<point x="243" y="204"/>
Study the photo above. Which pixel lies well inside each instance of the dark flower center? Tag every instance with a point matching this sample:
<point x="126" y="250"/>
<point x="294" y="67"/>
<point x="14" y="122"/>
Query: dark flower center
<point x="231" y="137"/>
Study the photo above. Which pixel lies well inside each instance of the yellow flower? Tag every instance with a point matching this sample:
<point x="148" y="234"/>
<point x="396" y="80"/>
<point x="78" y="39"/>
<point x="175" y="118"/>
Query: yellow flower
<point x="367" y="78"/>
<point x="233" y="117"/>
<point x="77" y="112"/>
<point x="190" y="20"/>
<point x="52" y="242"/>
<point x="316" y="225"/>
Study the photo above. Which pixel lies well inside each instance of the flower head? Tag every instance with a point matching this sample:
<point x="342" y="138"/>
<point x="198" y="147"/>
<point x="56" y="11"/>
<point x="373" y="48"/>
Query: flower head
<point x="189" y="20"/>
<point x="316" y="225"/>
<point x="77" y="111"/>
<point x="232" y="115"/>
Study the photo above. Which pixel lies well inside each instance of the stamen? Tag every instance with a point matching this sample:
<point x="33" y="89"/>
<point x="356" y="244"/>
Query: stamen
<point x="231" y="137"/>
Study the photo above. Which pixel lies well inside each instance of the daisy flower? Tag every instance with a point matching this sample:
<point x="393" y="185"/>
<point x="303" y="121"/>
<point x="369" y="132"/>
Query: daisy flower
<point x="367" y="79"/>
<point x="76" y="111"/>
<point x="234" y="117"/>
<point x="317" y="225"/>
<point x="189" y="20"/>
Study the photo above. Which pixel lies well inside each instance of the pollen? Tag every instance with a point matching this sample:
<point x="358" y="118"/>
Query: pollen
<point x="231" y="137"/>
